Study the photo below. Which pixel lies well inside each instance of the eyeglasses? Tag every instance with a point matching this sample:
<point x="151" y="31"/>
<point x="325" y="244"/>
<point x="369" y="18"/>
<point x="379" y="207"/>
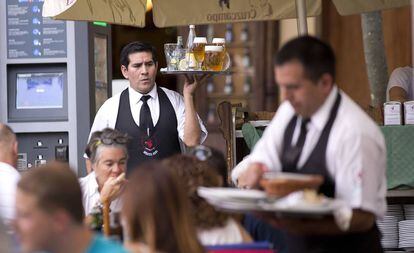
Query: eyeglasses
<point x="110" y="141"/>
<point x="200" y="152"/>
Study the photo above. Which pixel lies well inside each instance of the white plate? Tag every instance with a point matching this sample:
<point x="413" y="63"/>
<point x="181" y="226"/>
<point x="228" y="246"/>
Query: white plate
<point x="235" y="206"/>
<point x="287" y="175"/>
<point x="325" y="207"/>
<point x="222" y="193"/>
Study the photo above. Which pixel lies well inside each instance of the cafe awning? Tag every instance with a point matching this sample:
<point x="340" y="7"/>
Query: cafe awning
<point x="349" y="7"/>
<point x="169" y="13"/>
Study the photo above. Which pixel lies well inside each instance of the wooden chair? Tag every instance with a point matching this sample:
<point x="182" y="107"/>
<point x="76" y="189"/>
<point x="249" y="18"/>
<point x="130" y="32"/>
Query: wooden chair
<point x="232" y="117"/>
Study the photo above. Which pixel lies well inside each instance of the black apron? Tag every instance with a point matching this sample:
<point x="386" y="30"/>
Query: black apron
<point x="368" y="241"/>
<point x="163" y="140"/>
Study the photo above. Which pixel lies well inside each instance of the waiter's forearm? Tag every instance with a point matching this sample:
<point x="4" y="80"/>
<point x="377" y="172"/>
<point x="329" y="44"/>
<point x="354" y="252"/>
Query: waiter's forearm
<point x="192" y="130"/>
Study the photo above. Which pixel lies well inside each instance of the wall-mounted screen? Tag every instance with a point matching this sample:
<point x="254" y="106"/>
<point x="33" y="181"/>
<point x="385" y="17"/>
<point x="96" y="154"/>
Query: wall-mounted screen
<point x="39" y="90"/>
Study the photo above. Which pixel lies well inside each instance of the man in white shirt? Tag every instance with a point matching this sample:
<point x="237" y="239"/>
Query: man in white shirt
<point x="401" y="86"/>
<point x="157" y="119"/>
<point x="108" y="157"/>
<point x="318" y="129"/>
<point x="49" y="214"/>
<point x="8" y="174"/>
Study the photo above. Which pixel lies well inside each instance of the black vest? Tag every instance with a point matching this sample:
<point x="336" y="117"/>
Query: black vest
<point x="368" y="241"/>
<point x="162" y="142"/>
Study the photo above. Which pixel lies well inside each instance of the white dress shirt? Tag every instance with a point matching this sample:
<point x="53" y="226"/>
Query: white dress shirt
<point x="355" y="158"/>
<point x="107" y="114"/>
<point x="90" y="194"/>
<point x="9" y="177"/>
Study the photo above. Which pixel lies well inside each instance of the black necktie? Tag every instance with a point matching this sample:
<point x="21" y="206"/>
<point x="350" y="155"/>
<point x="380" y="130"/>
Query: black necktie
<point x="145" y="119"/>
<point x="302" y="135"/>
<point x="296" y="150"/>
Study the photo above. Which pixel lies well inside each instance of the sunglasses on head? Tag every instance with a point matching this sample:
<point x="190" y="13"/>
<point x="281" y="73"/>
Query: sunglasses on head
<point x="200" y="152"/>
<point x="118" y="140"/>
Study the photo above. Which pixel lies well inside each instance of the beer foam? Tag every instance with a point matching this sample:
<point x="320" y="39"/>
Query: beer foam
<point x="200" y="40"/>
<point x="218" y="41"/>
<point x="214" y="48"/>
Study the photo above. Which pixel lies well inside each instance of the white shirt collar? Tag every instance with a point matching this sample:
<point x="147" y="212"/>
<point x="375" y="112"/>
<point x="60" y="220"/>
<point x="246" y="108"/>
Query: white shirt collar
<point x="135" y="96"/>
<point x="320" y="117"/>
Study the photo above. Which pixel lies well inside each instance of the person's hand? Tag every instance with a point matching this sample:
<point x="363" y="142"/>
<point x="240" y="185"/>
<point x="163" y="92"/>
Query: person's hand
<point x="251" y="177"/>
<point x="191" y="83"/>
<point x="112" y="188"/>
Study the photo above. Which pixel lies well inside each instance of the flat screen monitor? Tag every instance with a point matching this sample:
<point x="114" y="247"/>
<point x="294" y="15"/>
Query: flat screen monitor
<point x="37" y="92"/>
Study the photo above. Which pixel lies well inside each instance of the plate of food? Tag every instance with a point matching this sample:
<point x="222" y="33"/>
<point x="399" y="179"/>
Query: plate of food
<point x="302" y="202"/>
<point x="280" y="184"/>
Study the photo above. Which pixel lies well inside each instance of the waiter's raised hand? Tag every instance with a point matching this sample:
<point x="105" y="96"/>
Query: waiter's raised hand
<point x="251" y="177"/>
<point x="191" y="83"/>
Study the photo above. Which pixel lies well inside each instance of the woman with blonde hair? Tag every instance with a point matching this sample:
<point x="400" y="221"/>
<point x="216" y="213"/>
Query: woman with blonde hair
<point x="155" y="213"/>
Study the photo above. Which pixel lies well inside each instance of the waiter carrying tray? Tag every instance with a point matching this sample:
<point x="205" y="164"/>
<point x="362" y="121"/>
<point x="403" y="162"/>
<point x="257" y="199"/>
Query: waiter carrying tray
<point x="157" y="119"/>
<point x="318" y="129"/>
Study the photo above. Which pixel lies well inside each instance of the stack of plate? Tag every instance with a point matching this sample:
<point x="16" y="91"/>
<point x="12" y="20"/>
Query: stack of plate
<point x="396" y="211"/>
<point x="409" y="212"/>
<point x="389" y="229"/>
<point x="406" y="232"/>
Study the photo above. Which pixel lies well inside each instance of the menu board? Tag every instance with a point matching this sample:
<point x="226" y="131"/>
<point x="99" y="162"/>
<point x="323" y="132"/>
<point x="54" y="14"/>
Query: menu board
<point x="29" y="35"/>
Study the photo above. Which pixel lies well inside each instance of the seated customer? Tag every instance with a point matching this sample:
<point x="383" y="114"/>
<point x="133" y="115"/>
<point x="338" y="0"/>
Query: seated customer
<point x="400" y="86"/>
<point x="108" y="157"/>
<point x="49" y="214"/>
<point x="155" y="213"/>
<point x="214" y="158"/>
<point x="8" y="173"/>
<point x="213" y="227"/>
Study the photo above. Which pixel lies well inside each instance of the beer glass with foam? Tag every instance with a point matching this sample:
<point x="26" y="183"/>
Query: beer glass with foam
<point x="199" y="44"/>
<point x="214" y="58"/>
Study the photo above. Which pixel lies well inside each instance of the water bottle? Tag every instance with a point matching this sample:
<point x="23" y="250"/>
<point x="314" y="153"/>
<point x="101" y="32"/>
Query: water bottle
<point x="191" y="61"/>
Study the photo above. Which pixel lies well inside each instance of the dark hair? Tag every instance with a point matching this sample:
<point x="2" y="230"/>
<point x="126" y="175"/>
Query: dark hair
<point x="194" y="173"/>
<point x="316" y="56"/>
<point x="108" y="137"/>
<point x="218" y="162"/>
<point x="55" y="186"/>
<point x="213" y="157"/>
<point x="157" y="212"/>
<point x="136" y="47"/>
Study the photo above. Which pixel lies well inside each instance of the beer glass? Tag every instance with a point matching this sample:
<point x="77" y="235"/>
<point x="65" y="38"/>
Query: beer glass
<point x="219" y="42"/>
<point x="214" y="58"/>
<point x="198" y="50"/>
